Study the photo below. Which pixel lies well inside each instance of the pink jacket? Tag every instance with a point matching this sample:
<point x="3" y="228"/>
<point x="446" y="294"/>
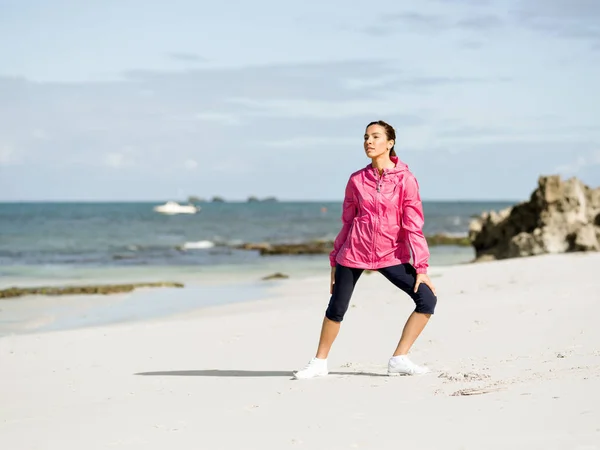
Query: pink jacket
<point x="382" y="221"/>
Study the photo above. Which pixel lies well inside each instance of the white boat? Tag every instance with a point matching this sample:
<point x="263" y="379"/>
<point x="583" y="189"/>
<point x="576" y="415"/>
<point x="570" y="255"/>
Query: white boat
<point x="175" y="208"/>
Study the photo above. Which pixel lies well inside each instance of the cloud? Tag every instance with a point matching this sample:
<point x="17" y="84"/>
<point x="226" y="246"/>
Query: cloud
<point x="191" y="129"/>
<point x="320" y="109"/>
<point x="312" y="141"/>
<point x="572" y="19"/>
<point x="158" y="119"/>
<point x="427" y="23"/>
<point x="7" y="155"/>
<point x="583" y="161"/>
<point x="186" y="57"/>
<point x="370" y="82"/>
<point x="116" y="160"/>
<point x="225" y="118"/>
<point x="478" y="3"/>
<point x="190" y="164"/>
<point x="480" y="22"/>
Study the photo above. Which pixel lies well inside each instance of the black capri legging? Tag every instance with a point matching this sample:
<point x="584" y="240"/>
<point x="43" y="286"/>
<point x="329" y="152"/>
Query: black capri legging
<point x="402" y="276"/>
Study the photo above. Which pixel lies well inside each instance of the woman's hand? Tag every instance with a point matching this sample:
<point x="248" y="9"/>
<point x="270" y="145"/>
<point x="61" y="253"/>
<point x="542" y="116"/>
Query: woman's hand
<point x="332" y="281"/>
<point x="424" y="278"/>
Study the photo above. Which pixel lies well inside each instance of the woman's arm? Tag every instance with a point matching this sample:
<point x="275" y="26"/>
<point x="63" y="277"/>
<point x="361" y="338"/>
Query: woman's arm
<point x="348" y="214"/>
<point x="412" y="221"/>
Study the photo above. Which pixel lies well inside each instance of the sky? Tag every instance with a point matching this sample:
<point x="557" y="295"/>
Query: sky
<point x="125" y="100"/>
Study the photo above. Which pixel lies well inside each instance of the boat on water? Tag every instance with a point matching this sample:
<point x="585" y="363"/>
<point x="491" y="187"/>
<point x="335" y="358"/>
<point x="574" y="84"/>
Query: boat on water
<point x="175" y="208"/>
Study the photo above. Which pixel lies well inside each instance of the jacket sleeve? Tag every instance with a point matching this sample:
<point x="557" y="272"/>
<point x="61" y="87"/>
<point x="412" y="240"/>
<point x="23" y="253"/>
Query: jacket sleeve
<point x="348" y="214"/>
<point x="412" y="221"/>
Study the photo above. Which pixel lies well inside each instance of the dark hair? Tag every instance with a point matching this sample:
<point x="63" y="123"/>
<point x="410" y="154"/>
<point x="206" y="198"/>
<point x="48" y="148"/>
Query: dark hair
<point x="390" y="133"/>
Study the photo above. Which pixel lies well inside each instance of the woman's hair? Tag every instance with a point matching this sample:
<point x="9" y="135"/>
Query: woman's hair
<point x="390" y="133"/>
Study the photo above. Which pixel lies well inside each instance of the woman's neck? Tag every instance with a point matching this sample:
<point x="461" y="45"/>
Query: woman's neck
<point x="382" y="162"/>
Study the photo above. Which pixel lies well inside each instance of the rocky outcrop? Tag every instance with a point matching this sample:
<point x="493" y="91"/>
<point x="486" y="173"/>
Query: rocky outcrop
<point x="324" y="247"/>
<point x="560" y="216"/>
<point x="102" y="289"/>
<point x="305" y="248"/>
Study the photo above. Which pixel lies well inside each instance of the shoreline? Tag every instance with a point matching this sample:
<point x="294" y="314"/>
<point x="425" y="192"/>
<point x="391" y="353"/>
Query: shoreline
<point x="226" y="284"/>
<point x="45" y="313"/>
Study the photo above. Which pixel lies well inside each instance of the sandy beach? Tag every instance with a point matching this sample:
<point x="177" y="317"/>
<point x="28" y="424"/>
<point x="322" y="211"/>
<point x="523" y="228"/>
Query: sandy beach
<point x="514" y="350"/>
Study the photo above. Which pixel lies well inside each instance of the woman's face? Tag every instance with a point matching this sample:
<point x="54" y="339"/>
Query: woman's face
<point x="376" y="141"/>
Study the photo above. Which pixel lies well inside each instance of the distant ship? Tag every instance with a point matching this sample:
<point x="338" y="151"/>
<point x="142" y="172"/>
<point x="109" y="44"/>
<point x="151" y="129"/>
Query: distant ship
<point x="175" y="208"/>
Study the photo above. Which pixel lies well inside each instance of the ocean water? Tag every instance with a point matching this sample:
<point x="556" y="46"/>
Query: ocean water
<point x="80" y="243"/>
<point x="125" y="240"/>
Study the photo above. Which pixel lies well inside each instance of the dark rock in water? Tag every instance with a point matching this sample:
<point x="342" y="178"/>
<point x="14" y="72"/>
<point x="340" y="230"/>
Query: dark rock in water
<point x="306" y="248"/>
<point x="254" y="246"/>
<point x="218" y="199"/>
<point x="255" y="199"/>
<point x="560" y="216"/>
<point x="102" y="289"/>
<point x="193" y="199"/>
<point x="325" y="247"/>
<point x="444" y="239"/>
<point x="276" y="276"/>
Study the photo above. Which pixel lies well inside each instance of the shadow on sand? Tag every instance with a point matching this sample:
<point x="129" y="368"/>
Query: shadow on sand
<point x="244" y="373"/>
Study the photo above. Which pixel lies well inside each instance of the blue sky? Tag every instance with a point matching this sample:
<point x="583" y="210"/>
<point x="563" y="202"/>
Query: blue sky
<point x="132" y="100"/>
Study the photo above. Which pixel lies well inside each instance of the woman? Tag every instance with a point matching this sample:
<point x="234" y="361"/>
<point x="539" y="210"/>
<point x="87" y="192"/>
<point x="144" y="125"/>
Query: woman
<point x="382" y="225"/>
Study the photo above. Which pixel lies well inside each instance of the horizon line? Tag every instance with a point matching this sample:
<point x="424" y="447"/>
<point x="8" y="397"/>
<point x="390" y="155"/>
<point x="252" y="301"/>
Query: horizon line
<point x="260" y="200"/>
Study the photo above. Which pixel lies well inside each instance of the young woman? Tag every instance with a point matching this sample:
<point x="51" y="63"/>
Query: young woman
<point x="382" y="225"/>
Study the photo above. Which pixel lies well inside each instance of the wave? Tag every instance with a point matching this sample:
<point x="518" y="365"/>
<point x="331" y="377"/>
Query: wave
<point x="198" y="245"/>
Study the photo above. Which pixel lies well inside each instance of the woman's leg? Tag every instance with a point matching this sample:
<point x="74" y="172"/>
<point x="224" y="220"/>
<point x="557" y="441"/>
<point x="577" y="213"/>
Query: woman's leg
<point x="412" y="329"/>
<point x="345" y="280"/>
<point x="404" y="276"/>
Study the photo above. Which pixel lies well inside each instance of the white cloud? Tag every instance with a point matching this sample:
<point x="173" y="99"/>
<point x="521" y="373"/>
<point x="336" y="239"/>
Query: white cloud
<point x="190" y="164"/>
<point x="224" y="118"/>
<point x="40" y="134"/>
<point x="362" y="83"/>
<point x="7" y="155"/>
<point x="300" y="142"/>
<point x="581" y="162"/>
<point x="116" y="160"/>
<point x="296" y="99"/>
<point x="317" y="109"/>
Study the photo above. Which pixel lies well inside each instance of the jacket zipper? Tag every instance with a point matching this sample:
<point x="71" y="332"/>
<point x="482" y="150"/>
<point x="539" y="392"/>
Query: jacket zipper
<point x="375" y="227"/>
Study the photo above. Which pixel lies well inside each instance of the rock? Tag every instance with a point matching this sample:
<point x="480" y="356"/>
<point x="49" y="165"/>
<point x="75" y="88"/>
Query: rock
<point x="255" y="246"/>
<point x="444" y="239"/>
<point x="193" y="199"/>
<point x="560" y="216"/>
<point x="306" y="248"/>
<point x="276" y="276"/>
<point x="103" y="289"/>
<point x="255" y="199"/>
<point x="324" y="247"/>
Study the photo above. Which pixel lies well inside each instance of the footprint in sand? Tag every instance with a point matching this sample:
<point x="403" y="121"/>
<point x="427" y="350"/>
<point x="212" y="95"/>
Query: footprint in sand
<point x="466" y="376"/>
<point x="475" y="391"/>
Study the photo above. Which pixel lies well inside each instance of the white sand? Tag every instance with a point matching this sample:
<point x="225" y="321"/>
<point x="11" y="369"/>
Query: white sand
<point x="521" y="334"/>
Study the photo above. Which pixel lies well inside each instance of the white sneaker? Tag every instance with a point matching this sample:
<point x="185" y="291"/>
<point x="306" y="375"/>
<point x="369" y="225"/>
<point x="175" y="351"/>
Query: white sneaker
<point x="401" y="365"/>
<point x="315" y="368"/>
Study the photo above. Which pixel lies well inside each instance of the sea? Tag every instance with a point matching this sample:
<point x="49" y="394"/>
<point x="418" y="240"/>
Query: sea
<point x="128" y="240"/>
<point x="66" y="244"/>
